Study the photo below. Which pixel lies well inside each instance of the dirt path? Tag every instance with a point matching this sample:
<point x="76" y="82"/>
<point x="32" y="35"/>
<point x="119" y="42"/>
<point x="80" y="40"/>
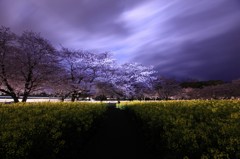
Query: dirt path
<point x="116" y="138"/>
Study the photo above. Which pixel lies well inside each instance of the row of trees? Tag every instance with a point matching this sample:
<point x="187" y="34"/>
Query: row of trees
<point x="218" y="90"/>
<point x="167" y="88"/>
<point x="30" y="64"/>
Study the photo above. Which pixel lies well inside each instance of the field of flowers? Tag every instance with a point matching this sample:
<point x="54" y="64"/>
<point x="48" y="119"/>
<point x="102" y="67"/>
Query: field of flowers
<point x="190" y="129"/>
<point x="45" y="130"/>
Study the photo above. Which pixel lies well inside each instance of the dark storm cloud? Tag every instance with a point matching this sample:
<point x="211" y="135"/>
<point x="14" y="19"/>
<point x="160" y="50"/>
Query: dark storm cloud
<point x="74" y="23"/>
<point x="220" y="57"/>
<point x="196" y="39"/>
<point x="200" y="41"/>
<point x="202" y="53"/>
<point x="208" y="59"/>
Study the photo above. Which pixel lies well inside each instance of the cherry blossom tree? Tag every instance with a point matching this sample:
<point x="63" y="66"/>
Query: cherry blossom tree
<point x="82" y="70"/>
<point x="128" y="77"/>
<point x="27" y="63"/>
<point x="38" y="62"/>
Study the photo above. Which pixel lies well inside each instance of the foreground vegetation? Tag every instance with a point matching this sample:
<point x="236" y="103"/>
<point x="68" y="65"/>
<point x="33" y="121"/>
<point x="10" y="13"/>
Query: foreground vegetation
<point x="172" y="129"/>
<point x="190" y="129"/>
<point x="45" y="130"/>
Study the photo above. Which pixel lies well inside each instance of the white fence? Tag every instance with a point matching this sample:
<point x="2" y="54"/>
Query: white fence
<point x="8" y="99"/>
<point x="4" y="99"/>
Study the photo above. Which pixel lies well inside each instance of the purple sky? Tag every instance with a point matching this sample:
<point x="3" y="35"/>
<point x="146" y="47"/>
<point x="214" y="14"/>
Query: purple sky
<point x="183" y="38"/>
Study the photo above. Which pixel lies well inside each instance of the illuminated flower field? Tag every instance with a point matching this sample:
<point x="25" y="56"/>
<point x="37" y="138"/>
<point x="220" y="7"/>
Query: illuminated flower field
<point x="190" y="129"/>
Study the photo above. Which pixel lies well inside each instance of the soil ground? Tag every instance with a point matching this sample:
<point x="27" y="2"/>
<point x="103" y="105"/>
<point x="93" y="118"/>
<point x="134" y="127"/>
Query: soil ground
<point x="117" y="138"/>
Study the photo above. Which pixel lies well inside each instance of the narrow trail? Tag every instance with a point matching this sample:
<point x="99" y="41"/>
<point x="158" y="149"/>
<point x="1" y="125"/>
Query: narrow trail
<point x="117" y="137"/>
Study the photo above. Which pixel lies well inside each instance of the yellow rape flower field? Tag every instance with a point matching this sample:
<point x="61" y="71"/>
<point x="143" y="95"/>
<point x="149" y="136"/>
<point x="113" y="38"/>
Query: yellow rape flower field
<point x="40" y="130"/>
<point x="172" y="129"/>
<point x="190" y="129"/>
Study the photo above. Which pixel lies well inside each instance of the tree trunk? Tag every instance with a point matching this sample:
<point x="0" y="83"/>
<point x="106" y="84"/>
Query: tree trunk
<point x="62" y="99"/>
<point x="12" y="94"/>
<point x="73" y="97"/>
<point x="25" y="97"/>
<point x="15" y="98"/>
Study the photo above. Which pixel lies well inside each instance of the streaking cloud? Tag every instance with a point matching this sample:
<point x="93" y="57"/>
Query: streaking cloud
<point x="194" y="39"/>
